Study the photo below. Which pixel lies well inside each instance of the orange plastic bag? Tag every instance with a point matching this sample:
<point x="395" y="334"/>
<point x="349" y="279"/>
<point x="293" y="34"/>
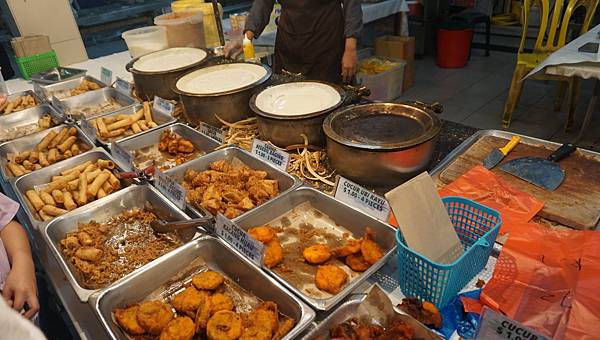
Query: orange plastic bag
<point x="549" y="280"/>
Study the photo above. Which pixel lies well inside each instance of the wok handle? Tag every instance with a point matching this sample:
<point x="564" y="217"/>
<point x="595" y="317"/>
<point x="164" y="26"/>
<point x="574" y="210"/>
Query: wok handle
<point x="435" y="107"/>
<point x="562" y="152"/>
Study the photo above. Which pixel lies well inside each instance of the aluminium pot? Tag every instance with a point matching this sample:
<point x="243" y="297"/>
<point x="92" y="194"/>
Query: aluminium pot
<point x="283" y="129"/>
<point x="160" y="82"/>
<point x="231" y="105"/>
<point x="382" y="144"/>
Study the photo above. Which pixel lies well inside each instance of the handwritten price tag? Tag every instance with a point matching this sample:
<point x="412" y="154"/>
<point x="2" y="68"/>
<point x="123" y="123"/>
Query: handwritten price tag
<point x="106" y="76"/>
<point x="271" y="154"/>
<point x="88" y="128"/>
<point x="170" y="188"/>
<point x="494" y="326"/>
<point x="121" y="155"/>
<point x="163" y="105"/>
<point x="123" y="86"/>
<point x="58" y="115"/>
<point x="239" y="239"/>
<point x="212" y="132"/>
<point x="361" y="198"/>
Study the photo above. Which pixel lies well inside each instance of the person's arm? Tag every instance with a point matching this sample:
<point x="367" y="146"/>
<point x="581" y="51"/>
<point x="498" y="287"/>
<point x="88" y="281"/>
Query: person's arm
<point x="352" y="26"/>
<point x="258" y="18"/>
<point x="20" y="286"/>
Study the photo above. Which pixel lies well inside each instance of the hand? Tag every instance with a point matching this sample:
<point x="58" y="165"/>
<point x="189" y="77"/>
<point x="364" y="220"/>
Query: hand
<point x="20" y="288"/>
<point x="233" y="48"/>
<point x="349" y="61"/>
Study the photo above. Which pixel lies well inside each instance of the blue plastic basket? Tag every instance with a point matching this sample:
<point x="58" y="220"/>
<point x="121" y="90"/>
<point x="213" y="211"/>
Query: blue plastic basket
<point x="477" y="227"/>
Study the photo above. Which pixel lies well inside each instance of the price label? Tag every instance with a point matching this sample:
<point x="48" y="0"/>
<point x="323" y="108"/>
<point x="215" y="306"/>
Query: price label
<point x="495" y="326"/>
<point x="239" y="239"/>
<point x="59" y="114"/>
<point x="163" y="105"/>
<point x="37" y="89"/>
<point x="361" y="198"/>
<point x="106" y="76"/>
<point x="271" y="154"/>
<point x="170" y="188"/>
<point x="121" y="155"/>
<point x="123" y="86"/>
<point x="88" y="128"/>
<point x="212" y="132"/>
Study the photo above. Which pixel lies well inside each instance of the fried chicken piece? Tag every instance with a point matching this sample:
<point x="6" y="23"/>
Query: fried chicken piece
<point x="397" y="330"/>
<point x="351" y="247"/>
<point x="180" y="328"/>
<point x="127" y="319"/>
<point x="153" y="316"/>
<point x="273" y="253"/>
<point x="209" y="280"/>
<point x="220" y="302"/>
<point x="357" y="262"/>
<point x="371" y="251"/>
<point x="89" y="254"/>
<point x="284" y="328"/>
<point x="185" y="146"/>
<point x="263" y="233"/>
<point x="224" y="325"/>
<point x="172" y="146"/>
<point x="330" y="278"/>
<point x="188" y="301"/>
<point x="317" y="253"/>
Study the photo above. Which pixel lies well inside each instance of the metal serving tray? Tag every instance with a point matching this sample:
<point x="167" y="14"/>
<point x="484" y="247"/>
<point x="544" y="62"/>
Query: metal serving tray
<point x="135" y="196"/>
<point x="286" y="181"/>
<point x="25" y="117"/>
<point x="160" y="118"/>
<point x="217" y="256"/>
<point x="29" y="142"/>
<point x="47" y="91"/>
<point x="349" y="218"/>
<point x="95" y="98"/>
<point x="152" y="137"/>
<point x="26" y="182"/>
<point x="57" y="74"/>
<point x="39" y="101"/>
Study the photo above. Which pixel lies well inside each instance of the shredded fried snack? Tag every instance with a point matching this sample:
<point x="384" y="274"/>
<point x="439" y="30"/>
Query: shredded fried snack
<point x="310" y="166"/>
<point x="240" y="133"/>
<point x="355" y="329"/>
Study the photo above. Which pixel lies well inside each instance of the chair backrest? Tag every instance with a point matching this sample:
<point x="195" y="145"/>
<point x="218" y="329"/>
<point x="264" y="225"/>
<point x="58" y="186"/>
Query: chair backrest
<point x="547" y="41"/>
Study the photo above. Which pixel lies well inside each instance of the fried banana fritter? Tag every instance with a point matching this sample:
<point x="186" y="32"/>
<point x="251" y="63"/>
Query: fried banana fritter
<point x="263" y="234"/>
<point x="209" y="280"/>
<point x="153" y="316"/>
<point x="273" y="253"/>
<point x="127" y="319"/>
<point x="317" y="254"/>
<point x="371" y="251"/>
<point x="330" y="278"/>
<point x="188" y="301"/>
<point x="357" y="262"/>
<point x="220" y="302"/>
<point x="351" y="247"/>
<point x="180" y="328"/>
<point x="224" y="325"/>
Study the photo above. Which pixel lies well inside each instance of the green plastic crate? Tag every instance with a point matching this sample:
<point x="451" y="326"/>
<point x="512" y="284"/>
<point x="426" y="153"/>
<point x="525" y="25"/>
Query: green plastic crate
<point x="37" y="63"/>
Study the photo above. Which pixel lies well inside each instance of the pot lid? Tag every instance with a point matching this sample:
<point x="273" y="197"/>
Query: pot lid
<point x="222" y="78"/>
<point x="297" y="99"/>
<point x="169" y="59"/>
<point x="382" y="126"/>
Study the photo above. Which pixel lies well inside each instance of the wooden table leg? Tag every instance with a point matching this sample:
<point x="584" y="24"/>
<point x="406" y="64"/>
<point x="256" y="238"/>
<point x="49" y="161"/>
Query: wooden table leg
<point x="590" y="109"/>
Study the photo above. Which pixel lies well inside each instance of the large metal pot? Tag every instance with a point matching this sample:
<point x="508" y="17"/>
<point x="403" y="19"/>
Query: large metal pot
<point x="231" y="106"/>
<point x="159" y="83"/>
<point x="285" y="130"/>
<point x="382" y="144"/>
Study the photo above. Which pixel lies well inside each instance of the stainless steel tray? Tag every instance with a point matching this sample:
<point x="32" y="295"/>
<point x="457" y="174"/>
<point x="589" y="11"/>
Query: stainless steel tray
<point x="39" y="101"/>
<point x="47" y="91"/>
<point x="152" y="137"/>
<point x="22" y="184"/>
<point x="29" y="142"/>
<point x="24" y="117"/>
<point x="57" y="74"/>
<point x="160" y="118"/>
<point x="95" y="98"/>
<point x="103" y="209"/>
<point x="347" y="217"/>
<point x="170" y="268"/>
<point x="286" y="181"/>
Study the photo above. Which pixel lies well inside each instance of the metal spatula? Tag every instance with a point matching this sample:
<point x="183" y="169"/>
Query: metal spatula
<point x="165" y="227"/>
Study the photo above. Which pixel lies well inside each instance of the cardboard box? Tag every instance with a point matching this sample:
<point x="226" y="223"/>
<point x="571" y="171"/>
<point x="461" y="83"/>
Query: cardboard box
<point x="31" y="45"/>
<point x="400" y="48"/>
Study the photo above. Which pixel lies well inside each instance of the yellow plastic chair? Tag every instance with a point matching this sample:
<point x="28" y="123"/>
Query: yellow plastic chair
<point x="545" y="44"/>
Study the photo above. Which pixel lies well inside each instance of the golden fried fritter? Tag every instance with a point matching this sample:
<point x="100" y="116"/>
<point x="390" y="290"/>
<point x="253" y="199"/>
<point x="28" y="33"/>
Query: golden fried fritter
<point x="263" y="234"/>
<point x="203" y="314"/>
<point x="209" y="280"/>
<point x="219" y="302"/>
<point x="371" y="251"/>
<point x="127" y="319"/>
<point x="255" y="332"/>
<point x="273" y="253"/>
<point x="357" y="262"/>
<point x="188" y="301"/>
<point x="284" y="328"/>
<point x="317" y="253"/>
<point x="330" y="278"/>
<point x="180" y="328"/>
<point x="351" y="247"/>
<point x="224" y="325"/>
<point x="153" y="316"/>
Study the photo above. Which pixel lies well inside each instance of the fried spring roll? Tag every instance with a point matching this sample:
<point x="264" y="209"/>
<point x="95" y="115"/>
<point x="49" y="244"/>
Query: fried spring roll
<point x="83" y="187"/>
<point x="28" y="165"/>
<point x="152" y="125"/>
<point x="34" y="199"/>
<point x="109" y="120"/>
<point x="108" y="189"/>
<point x="90" y="168"/>
<point x="53" y="211"/>
<point x="115" y="133"/>
<point x="66" y="145"/>
<point x="58" y="196"/>
<point x="72" y="131"/>
<point x="101" y="193"/>
<point x="67" y="154"/>
<point x="79" y="168"/>
<point x="57" y="140"/>
<point x="43" y="159"/>
<point x="147" y="113"/>
<point x="97" y="183"/>
<point x="47" y="198"/>
<point x="143" y="125"/>
<point x="52" y="156"/>
<point x="102" y="130"/>
<point x="75" y="149"/>
<point x="135" y="127"/>
<point x="114" y="181"/>
<point x="91" y="176"/>
<point x="34" y="156"/>
<point x="43" y="145"/>
<point x="105" y="164"/>
<point x="68" y="201"/>
<point x="21" y="157"/>
<point x="15" y="169"/>
<point x="37" y="167"/>
<point x="43" y="216"/>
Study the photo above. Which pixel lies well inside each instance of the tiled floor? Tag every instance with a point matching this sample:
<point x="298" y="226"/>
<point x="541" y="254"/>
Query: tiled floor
<point x="475" y="95"/>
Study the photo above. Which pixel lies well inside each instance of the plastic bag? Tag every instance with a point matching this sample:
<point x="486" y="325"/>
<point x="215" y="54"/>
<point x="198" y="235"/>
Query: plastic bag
<point x="547" y="279"/>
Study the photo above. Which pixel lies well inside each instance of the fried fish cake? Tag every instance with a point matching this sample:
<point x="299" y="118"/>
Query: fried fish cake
<point x="224" y="325"/>
<point x="188" y="301"/>
<point x="263" y="233"/>
<point x="127" y="319"/>
<point x="317" y="253"/>
<point x="180" y="328"/>
<point x="357" y="262"/>
<point x="219" y="302"/>
<point x="153" y="316"/>
<point x="273" y="253"/>
<point x="330" y="278"/>
<point x="209" y="280"/>
<point x="351" y="247"/>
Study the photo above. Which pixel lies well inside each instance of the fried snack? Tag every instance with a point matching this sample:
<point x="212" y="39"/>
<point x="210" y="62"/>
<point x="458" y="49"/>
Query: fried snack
<point x="188" y="301"/>
<point x="18" y="104"/>
<point x="118" y="126"/>
<point x="84" y="87"/>
<point x="357" y="262"/>
<point x="58" y="139"/>
<point x="91" y="254"/>
<point x="127" y="319"/>
<point x="170" y="151"/>
<point x="208" y="280"/>
<point x="47" y="198"/>
<point x="330" y="278"/>
<point x="371" y="251"/>
<point x="273" y="253"/>
<point x="82" y="189"/>
<point x="224" y="325"/>
<point x="153" y="316"/>
<point x="69" y="203"/>
<point x="45" y="142"/>
<point x="355" y="329"/>
<point x="317" y="254"/>
<point x="203" y="315"/>
<point x="284" y="328"/>
<point x="266" y="316"/>
<point x="351" y="247"/>
<point x="51" y="210"/>
<point x="263" y="234"/>
<point x="424" y="311"/>
<point x="220" y="302"/>
<point x="34" y="199"/>
<point x="180" y="328"/>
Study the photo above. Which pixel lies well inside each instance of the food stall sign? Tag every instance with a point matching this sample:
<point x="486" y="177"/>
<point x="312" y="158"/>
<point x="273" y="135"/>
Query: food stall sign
<point x="362" y="199"/>
<point x="163" y="106"/>
<point x="106" y="76"/>
<point x="495" y="326"/>
<point x="123" y="86"/>
<point x="239" y="239"/>
<point x="271" y="154"/>
<point x="88" y="128"/>
<point x="170" y="188"/>
<point x="212" y="132"/>
<point x="121" y="155"/>
<point x="58" y="115"/>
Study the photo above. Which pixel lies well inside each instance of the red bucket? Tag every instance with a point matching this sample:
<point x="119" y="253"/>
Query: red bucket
<point x="453" y="47"/>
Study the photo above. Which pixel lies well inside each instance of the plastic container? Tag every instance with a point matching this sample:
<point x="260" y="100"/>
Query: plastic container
<point x="36" y="63"/>
<point x="211" y="33"/>
<point x="453" y="44"/>
<point x="248" y="48"/>
<point x="144" y="40"/>
<point x="387" y="85"/>
<point x="184" y="29"/>
<point x="477" y="227"/>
